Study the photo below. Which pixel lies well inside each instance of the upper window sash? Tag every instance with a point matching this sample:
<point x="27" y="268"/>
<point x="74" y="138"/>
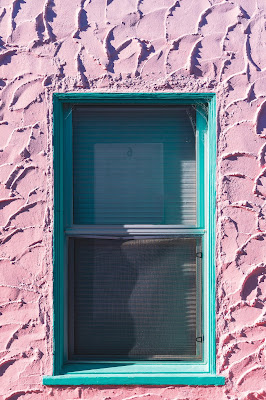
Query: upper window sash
<point x="201" y="130"/>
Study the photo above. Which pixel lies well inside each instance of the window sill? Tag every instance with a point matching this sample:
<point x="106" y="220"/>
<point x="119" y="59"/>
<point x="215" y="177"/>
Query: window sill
<point x="96" y="378"/>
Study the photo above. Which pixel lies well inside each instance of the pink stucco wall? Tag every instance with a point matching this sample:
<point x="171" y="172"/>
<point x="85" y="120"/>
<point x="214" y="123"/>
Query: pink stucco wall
<point x="136" y="46"/>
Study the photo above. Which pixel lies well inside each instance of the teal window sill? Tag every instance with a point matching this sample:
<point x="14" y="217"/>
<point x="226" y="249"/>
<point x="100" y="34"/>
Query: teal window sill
<point x="96" y="378"/>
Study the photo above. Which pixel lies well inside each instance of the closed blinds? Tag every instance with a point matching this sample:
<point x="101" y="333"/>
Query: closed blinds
<point x="134" y="165"/>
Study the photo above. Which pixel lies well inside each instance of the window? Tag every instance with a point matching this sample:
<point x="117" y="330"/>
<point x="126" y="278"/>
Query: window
<point x="134" y="239"/>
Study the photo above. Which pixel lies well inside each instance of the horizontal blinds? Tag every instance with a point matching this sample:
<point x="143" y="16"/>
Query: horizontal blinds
<point x="134" y="165"/>
<point x="134" y="298"/>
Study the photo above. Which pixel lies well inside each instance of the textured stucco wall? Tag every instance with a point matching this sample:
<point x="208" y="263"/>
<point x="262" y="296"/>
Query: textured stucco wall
<point x="129" y="45"/>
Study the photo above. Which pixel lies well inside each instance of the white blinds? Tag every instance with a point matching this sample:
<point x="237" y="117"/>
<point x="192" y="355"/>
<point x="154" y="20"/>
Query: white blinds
<point x="134" y="165"/>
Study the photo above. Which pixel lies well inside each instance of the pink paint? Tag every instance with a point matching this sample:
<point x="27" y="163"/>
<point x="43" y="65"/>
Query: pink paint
<point x="131" y="46"/>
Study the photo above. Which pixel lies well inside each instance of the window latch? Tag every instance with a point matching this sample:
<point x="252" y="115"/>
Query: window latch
<point x="199" y="254"/>
<point x="199" y="339"/>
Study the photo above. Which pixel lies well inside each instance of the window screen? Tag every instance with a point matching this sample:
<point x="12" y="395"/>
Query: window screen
<point x="134" y="298"/>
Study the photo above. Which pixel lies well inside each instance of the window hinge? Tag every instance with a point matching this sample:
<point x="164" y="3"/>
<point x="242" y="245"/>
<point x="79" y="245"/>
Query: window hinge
<point x="199" y="254"/>
<point x="199" y="339"/>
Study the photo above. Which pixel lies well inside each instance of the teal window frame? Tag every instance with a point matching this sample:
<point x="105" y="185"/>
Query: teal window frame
<point x="201" y="372"/>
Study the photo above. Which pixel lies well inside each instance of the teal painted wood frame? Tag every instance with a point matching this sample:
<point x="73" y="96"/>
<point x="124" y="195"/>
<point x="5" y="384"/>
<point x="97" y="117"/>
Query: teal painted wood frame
<point x="134" y="373"/>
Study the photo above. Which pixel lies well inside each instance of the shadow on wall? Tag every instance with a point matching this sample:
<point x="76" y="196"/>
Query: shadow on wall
<point x="252" y="283"/>
<point x="261" y="122"/>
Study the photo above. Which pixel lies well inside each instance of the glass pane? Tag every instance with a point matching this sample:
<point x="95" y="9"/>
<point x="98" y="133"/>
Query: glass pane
<point x="134" y="165"/>
<point x="134" y="299"/>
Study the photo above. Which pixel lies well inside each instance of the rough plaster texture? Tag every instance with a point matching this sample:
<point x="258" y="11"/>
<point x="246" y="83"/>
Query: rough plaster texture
<point x="135" y="46"/>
